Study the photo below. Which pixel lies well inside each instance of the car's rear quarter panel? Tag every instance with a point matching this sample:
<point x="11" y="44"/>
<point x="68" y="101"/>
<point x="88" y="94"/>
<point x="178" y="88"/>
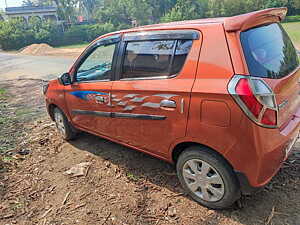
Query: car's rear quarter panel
<point x="214" y="118"/>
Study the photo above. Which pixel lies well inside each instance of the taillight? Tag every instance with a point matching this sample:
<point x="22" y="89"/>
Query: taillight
<point x="256" y="99"/>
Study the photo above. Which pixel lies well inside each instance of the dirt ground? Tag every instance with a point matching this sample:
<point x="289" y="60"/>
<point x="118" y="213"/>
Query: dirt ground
<point x="118" y="185"/>
<point x="47" y="50"/>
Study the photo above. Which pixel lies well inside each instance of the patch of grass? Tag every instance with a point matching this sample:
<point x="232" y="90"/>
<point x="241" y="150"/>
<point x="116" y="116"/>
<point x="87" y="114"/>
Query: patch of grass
<point x="7" y="159"/>
<point x="23" y="112"/>
<point x="16" y="205"/>
<point x="2" y="91"/>
<point x="83" y="45"/>
<point x="293" y="29"/>
<point x="9" y="130"/>
<point x="132" y="177"/>
<point x="3" y="120"/>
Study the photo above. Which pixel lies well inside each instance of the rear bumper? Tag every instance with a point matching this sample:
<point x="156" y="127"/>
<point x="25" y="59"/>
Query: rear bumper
<point x="245" y="186"/>
<point x="259" y="152"/>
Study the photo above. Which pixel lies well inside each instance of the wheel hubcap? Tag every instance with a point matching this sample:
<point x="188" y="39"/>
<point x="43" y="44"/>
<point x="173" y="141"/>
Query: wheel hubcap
<point x="203" y="180"/>
<point x="60" y="123"/>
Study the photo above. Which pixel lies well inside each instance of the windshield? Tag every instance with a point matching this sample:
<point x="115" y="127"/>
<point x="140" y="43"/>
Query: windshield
<point x="269" y="51"/>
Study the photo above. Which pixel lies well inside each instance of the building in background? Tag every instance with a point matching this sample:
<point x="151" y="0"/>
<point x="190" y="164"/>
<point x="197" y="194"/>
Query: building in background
<point x="26" y="12"/>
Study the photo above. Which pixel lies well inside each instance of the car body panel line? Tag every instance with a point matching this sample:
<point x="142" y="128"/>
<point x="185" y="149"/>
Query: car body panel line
<point x="119" y="115"/>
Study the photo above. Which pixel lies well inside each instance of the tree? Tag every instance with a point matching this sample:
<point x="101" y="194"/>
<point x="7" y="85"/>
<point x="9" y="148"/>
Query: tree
<point x="89" y="7"/>
<point x="67" y="9"/>
<point x="14" y="34"/>
<point x="123" y="12"/>
<point x="187" y="10"/>
<point x="159" y="8"/>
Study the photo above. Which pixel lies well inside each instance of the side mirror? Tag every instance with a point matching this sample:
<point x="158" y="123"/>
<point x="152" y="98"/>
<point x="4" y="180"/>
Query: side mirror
<point x="65" y="79"/>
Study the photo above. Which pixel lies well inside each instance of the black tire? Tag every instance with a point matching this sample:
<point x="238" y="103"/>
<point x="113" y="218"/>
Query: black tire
<point x="229" y="184"/>
<point x="69" y="132"/>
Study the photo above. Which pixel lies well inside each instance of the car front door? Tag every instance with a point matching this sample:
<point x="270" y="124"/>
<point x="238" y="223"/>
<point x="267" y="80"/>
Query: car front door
<point x="88" y="97"/>
<point x="152" y="94"/>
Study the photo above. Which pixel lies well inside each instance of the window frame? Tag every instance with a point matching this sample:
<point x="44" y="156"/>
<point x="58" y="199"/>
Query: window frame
<point x="159" y="35"/>
<point x="115" y="39"/>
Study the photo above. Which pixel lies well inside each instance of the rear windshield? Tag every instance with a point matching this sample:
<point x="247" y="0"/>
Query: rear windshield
<point x="269" y="51"/>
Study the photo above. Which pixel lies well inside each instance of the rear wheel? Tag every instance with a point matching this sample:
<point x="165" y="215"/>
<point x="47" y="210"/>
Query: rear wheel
<point x="207" y="178"/>
<point x="66" y="130"/>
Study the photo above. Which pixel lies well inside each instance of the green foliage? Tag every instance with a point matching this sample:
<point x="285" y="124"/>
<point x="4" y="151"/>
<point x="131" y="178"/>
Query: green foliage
<point x="186" y="10"/>
<point x="85" y="33"/>
<point x="112" y="15"/>
<point x="89" y="6"/>
<point x="75" y="34"/>
<point x="122" y="13"/>
<point x="67" y="9"/>
<point x="160" y="8"/>
<point x="2" y="93"/>
<point x="15" y="34"/>
<point x="96" y="30"/>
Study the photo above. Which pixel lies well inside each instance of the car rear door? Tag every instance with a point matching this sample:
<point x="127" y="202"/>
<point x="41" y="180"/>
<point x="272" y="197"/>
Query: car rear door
<point x="151" y="97"/>
<point x="88" y="97"/>
<point x="270" y="55"/>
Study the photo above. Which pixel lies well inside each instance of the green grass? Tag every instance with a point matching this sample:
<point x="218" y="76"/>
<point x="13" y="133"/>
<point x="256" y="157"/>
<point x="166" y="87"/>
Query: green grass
<point x="132" y="177"/>
<point x="293" y="29"/>
<point x="2" y="92"/>
<point x="7" y="159"/>
<point x="74" y="46"/>
<point x="22" y="112"/>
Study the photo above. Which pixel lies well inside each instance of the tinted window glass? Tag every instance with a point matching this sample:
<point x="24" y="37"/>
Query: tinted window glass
<point x="154" y="58"/>
<point x="98" y="65"/>
<point x="182" y="50"/>
<point x="269" y="52"/>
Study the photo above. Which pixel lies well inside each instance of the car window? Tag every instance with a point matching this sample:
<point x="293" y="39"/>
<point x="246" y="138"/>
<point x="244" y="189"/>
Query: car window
<point x="269" y="51"/>
<point x="154" y="58"/>
<point x="182" y="50"/>
<point x="98" y="65"/>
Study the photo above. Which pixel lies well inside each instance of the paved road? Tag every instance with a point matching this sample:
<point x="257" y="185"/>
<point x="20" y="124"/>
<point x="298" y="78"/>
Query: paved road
<point x="13" y="66"/>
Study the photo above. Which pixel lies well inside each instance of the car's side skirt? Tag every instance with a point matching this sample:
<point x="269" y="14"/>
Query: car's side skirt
<point x="119" y="115"/>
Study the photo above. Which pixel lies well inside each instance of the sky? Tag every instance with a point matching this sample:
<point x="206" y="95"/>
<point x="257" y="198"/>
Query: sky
<point x="10" y="3"/>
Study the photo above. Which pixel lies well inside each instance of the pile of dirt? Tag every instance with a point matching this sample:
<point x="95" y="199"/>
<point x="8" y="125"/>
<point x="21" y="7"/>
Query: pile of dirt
<point x="37" y="49"/>
<point x="46" y="50"/>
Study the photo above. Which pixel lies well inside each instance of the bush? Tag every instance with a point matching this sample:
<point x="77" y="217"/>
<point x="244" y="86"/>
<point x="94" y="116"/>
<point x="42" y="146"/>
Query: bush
<point x="16" y="34"/>
<point x="85" y="33"/>
<point x="74" y="35"/>
<point x="97" y="30"/>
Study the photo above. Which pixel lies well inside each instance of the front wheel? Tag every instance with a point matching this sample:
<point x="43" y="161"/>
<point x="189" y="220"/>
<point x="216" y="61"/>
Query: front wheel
<point x="65" y="129"/>
<point x="207" y="178"/>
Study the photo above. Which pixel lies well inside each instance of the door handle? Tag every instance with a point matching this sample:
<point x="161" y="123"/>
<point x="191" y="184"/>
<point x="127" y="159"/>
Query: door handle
<point x="168" y="104"/>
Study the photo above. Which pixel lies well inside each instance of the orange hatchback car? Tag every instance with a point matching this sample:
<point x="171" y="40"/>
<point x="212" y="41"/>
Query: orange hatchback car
<point x="217" y="97"/>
